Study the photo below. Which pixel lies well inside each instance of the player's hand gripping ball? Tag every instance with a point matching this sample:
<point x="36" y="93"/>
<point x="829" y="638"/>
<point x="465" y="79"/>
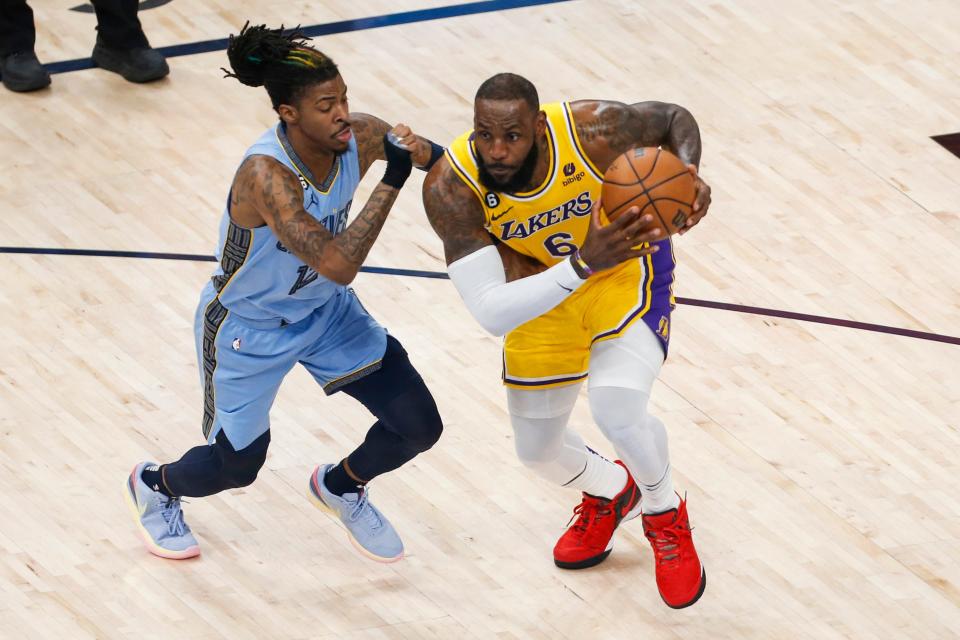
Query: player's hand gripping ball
<point x="654" y="180"/>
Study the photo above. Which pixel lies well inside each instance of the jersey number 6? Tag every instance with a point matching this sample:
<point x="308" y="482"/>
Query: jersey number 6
<point x="558" y="244"/>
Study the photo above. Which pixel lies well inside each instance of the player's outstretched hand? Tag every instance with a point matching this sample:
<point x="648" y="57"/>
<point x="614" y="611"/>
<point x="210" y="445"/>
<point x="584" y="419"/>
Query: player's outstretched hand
<point x="606" y="246"/>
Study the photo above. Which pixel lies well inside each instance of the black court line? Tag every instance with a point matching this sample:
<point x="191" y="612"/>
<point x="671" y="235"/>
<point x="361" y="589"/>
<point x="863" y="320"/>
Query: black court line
<point x="192" y="257"/>
<point x="806" y="317"/>
<point x="437" y="275"/>
<point x="360" y="24"/>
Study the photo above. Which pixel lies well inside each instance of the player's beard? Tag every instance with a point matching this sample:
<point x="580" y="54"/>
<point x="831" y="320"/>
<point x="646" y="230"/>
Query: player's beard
<point x="517" y="182"/>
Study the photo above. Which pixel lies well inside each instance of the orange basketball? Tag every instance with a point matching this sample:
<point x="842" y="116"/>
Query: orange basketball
<point x="653" y="179"/>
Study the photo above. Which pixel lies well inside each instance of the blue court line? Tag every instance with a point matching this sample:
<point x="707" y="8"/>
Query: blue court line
<point x="438" y="275"/>
<point x="360" y="24"/>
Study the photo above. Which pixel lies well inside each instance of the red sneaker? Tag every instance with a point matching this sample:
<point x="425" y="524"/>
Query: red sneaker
<point x="589" y="541"/>
<point x="680" y="576"/>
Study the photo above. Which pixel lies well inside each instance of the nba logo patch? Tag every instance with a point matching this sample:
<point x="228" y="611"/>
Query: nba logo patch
<point x="236" y="344"/>
<point x="664" y="327"/>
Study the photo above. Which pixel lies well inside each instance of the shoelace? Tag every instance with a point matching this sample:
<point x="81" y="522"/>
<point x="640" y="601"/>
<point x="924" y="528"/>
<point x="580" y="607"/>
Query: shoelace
<point x="173" y="515"/>
<point x="366" y="510"/>
<point x="667" y="539"/>
<point x="588" y="510"/>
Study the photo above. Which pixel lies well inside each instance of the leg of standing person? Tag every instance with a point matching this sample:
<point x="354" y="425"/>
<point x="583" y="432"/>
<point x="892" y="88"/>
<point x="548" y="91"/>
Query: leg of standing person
<point x="122" y="46"/>
<point x="19" y="67"/>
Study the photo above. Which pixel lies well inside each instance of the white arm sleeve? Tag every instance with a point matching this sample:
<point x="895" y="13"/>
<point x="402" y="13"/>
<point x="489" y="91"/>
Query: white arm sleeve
<point x="500" y="306"/>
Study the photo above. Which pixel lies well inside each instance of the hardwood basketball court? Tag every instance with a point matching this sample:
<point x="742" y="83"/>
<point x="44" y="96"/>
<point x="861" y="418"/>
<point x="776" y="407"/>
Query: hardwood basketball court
<point x="820" y="461"/>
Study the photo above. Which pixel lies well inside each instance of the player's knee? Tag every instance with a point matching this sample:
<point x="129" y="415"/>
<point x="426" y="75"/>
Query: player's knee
<point x="620" y="422"/>
<point x="428" y="428"/>
<point x="618" y="411"/>
<point x="240" y="468"/>
<point x="415" y="418"/>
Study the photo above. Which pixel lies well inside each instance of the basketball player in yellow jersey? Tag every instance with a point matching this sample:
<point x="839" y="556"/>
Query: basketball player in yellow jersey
<point x="519" y="195"/>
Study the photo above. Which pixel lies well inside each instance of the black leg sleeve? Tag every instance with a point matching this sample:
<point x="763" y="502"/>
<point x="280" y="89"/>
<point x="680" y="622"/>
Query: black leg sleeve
<point x="17" y="33"/>
<point x="408" y="422"/>
<point x="212" y="468"/>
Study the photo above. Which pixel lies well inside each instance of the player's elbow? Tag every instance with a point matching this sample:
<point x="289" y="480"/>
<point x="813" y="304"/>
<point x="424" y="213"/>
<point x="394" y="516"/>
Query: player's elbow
<point x="491" y="324"/>
<point x="341" y="277"/>
<point x="334" y="268"/>
<point x="495" y="330"/>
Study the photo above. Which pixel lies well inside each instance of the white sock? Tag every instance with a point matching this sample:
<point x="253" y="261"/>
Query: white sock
<point x="660" y="496"/>
<point x="600" y="477"/>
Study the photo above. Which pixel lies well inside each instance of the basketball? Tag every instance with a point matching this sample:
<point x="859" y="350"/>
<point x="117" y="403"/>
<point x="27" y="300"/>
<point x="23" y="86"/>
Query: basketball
<point x="653" y="179"/>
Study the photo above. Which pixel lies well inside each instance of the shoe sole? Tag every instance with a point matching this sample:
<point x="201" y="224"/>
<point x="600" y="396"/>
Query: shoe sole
<point x="587" y="563"/>
<point x="152" y="547"/>
<point x="26" y="87"/>
<point x="108" y="65"/>
<point x="597" y="559"/>
<point x="318" y="501"/>
<point x="703" y="587"/>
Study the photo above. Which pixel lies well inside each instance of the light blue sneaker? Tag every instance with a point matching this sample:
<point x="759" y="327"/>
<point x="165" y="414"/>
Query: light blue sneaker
<point x="369" y="532"/>
<point x="159" y="519"/>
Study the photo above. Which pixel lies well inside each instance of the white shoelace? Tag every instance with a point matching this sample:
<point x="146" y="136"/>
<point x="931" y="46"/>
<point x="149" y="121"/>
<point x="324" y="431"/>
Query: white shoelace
<point x="365" y="509"/>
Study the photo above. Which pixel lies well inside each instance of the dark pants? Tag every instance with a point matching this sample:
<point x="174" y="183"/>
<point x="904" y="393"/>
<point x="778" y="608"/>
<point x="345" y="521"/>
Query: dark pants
<point x="117" y="25"/>
<point x="407" y="424"/>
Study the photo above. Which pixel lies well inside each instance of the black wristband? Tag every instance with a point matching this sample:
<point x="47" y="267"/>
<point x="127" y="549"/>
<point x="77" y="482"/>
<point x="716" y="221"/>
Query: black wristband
<point x="399" y="164"/>
<point x="436" y="152"/>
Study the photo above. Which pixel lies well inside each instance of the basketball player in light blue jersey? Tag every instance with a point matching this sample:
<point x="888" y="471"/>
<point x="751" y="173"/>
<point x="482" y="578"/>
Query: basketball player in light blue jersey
<point x="280" y="297"/>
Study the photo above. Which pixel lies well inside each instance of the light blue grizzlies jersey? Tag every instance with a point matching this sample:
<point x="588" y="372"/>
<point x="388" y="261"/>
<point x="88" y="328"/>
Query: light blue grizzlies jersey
<point x="258" y="278"/>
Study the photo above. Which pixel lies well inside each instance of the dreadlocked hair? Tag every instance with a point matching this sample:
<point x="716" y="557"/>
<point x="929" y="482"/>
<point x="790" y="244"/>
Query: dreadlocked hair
<point x="281" y="62"/>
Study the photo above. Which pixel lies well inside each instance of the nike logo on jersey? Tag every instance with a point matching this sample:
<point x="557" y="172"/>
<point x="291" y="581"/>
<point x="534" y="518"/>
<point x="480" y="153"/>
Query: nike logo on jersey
<point x="495" y="218"/>
<point x="564" y="288"/>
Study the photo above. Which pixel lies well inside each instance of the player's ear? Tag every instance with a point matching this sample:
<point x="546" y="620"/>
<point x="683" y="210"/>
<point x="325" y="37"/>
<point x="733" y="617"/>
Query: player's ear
<point x="541" y="122"/>
<point x="288" y="113"/>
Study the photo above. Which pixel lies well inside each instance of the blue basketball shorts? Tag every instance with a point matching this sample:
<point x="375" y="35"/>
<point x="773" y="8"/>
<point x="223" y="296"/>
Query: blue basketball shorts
<point x="242" y="361"/>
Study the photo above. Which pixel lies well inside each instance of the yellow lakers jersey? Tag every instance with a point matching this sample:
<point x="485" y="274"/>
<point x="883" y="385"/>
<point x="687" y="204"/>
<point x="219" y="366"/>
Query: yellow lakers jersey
<point x="551" y="221"/>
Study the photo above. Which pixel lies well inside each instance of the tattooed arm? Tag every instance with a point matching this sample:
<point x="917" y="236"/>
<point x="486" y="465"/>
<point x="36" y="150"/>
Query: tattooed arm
<point x="454" y="213"/>
<point x="265" y="191"/>
<point x="369" y="131"/>
<point x="457" y="217"/>
<point x="607" y="129"/>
